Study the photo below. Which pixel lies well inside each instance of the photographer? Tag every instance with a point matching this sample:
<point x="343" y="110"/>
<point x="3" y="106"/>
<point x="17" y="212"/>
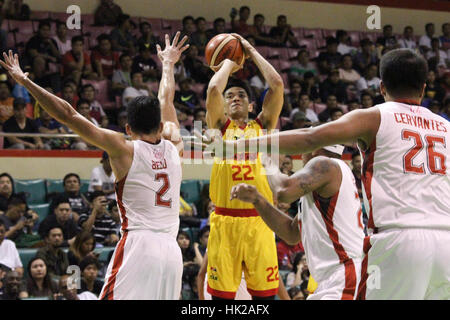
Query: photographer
<point x="99" y="221"/>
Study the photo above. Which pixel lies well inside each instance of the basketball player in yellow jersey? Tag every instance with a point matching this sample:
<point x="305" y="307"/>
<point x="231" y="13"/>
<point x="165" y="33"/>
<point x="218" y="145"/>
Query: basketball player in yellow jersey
<point x="239" y="240"/>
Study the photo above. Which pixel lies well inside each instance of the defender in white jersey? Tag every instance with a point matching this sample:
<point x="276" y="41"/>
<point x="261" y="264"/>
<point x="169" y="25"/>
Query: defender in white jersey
<point x="147" y="262"/>
<point x="406" y="181"/>
<point x="329" y="221"/>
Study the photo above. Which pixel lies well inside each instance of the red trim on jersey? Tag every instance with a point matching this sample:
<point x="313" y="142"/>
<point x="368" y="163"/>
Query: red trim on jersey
<point x="258" y="121"/>
<point x="350" y="272"/>
<point x="225" y="126"/>
<point x="366" y="178"/>
<point x="219" y="293"/>
<point x="409" y="101"/>
<point x="236" y="212"/>
<point x="119" y="192"/>
<point x="108" y="290"/>
<point x="263" y="293"/>
<point x="363" y="282"/>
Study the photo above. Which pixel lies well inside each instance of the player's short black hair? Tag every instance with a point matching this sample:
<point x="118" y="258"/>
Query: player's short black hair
<point x="144" y="115"/>
<point x="84" y="87"/>
<point x="403" y="73"/>
<point x="77" y="38"/>
<point x="233" y="82"/>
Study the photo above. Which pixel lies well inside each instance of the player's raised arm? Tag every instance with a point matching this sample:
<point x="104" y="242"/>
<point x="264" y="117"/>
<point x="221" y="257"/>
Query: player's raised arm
<point x="112" y="142"/>
<point x="273" y="100"/>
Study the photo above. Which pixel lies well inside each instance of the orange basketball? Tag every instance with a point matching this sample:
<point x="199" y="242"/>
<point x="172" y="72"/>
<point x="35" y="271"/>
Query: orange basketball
<point x="223" y="46"/>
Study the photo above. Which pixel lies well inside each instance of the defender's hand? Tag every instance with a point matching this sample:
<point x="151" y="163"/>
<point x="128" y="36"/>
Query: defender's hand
<point x="172" y="52"/>
<point x="11" y="64"/>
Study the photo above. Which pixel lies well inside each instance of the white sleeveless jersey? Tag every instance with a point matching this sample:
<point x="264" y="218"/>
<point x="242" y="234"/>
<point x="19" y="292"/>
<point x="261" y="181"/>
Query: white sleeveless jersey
<point x="148" y="197"/>
<point x="405" y="173"/>
<point x="332" y="230"/>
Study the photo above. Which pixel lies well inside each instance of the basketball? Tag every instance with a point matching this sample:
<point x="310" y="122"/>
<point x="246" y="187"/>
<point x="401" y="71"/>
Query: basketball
<point x="223" y="46"/>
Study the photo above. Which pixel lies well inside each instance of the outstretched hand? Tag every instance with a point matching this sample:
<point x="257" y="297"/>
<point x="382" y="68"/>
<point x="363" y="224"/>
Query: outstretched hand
<point x="11" y="64"/>
<point x="172" y="52"/>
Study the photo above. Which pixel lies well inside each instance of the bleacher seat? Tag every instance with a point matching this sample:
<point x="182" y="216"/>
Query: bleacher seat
<point x="292" y="53"/>
<point x="54" y="186"/>
<point x="285" y="65"/>
<point x="84" y="185"/>
<point x="39" y="15"/>
<point x="154" y="22"/>
<point x="328" y="33"/>
<point x="310" y="44"/>
<point x="10" y="40"/>
<point x="104" y="253"/>
<point x="21" y="26"/>
<point x="264" y="51"/>
<point x="26" y="255"/>
<point x="312" y="33"/>
<point x="190" y="190"/>
<point x="41" y="210"/>
<point x="355" y="37"/>
<point x="34" y="189"/>
<point x="87" y="19"/>
<point x="298" y="32"/>
<point x="61" y="16"/>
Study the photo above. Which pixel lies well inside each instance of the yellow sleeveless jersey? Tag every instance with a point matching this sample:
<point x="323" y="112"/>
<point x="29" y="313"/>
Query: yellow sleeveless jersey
<point x="226" y="174"/>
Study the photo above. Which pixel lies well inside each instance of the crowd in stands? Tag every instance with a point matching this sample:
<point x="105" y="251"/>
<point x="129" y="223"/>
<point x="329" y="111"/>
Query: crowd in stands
<point x="111" y="60"/>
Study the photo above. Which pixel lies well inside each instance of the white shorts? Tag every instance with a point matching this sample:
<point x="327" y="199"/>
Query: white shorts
<point x="406" y="264"/>
<point x="341" y="284"/>
<point x="145" y="266"/>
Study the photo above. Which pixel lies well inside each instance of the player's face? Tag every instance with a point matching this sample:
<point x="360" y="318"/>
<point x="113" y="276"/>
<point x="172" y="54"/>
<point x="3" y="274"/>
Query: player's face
<point x="236" y="100"/>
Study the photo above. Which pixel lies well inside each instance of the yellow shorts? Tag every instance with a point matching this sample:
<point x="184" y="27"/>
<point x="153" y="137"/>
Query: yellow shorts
<point x="241" y="244"/>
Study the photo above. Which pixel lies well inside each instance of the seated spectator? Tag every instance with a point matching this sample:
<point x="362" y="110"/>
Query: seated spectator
<point x="388" y="39"/>
<point x="445" y="38"/>
<point x="440" y="56"/>
<point x="81" y="248"/>
<point x="334" y="86"/>
<point x="331" y="58"/>
<point x="107" y="13"/>
<point x="55" y="258"/>
<point x="103" y="179"/>
<point x="96" y="110"/>
<point x="62" y="40"/>
<point x="303" y="104"/>
<point x="200" y="116"/>
<point x="69" y="93"/>
<point x="17" y="10"/>
<point x="258" y="33"/>
<point x="19" y="91"/>
<point x="188" y="27"/>
<point x="62" y="219"/>
<point x="346" y="72"/>
<point x="20" y="123"/>
<point x="138" y="88"/>
<point x="203" y="236"/>
<point x="12" y="286"/>
<point x="147" y="39"/>
<point x="190" y="257"/>
<point x="370" y="82"/>
<point x="433" y="90"/>
<point x="113" y="210"/>
<point x="122" y="77"/>
<point x="302" y="65"/>
<point x="311" y="87"/>
<point x="283" y="34"/>
<point x="299" y="121"/>
<point x="84" y="109"/>
<point x="287" y="254"/>
<point x="99" y="221"/>
<point x="9" y="256"/>
<point x="89" y="267"/>
<point x="331" y="104"/>
<point x="286" y="165"/>
<point x="408" y="41"/>
<point x="366" y="100"/>
<point x="6" y="102"/>
<point x="249" y="69"/>
<point x="41" y="49"/>
<point x="145" y="64"/>
<point x="292" y="97"/>
<point x="343" y="39"/>
<point x="299" y="292"/>
<point x="103" y="58"/>
<point x="185" y="99"/>
<point x="241" y="25"/>
<point x="39" y="283"/>
<point x="199" y="38"/>
<point x="425" y="40"/>
<point x="336" y="113"/>
<point x="195" y="67"/>
<point x="299" y="271"/>
<point x="121" y="37"/>
<point x="77" y="63"/>
<point x="366" y="56"/>
<point x="6" y="191"/>
<point x="219" y="26"/>
<point x="258" y="84"/>
<point x="70" y="293"/>
<point x="122" y="119"/>
<point x="46" y="124"/>
<point x="353" y="105"/>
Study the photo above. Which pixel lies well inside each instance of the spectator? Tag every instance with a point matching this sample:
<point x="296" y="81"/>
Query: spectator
<point x="69" y="94"/>
<point x="66" y="293"/>
<point x="311" y="87"/>
<point x="96" y="110"/>
<point x="388" y="39"/>
<point x="84" y="109"/>
<point x="62" y="219"/>
<point x="138" y="88"/>
<point x="9" y="256"/>
<point x="203" y="241"/>
<point x="282" y="33"/>
<point x="366" y="56"/>
<point x="189" y="255"/>
<point x="46" y="124"/>
<point x="346" y="72"/>
<point x="219" y="26"/>
<point x="299" y="292"/>
<point x="331" y="103"/>
<point x="41" y="49"/>
<point x="258" y="84"/>
<point x="81" y="248"/>
<point x="292" y="97"/>
<point x="370" y="82"/>
<point x="17" y="10"/>
<point x="445" y="111"/>
<point x="199" y="38"/>
<point x="336" y="113"/>
<point x="286" y="165"/>
<point x="445" y="38"/>
<point x="195" y="68"/>
<point x="248" y="70"/>
<point x="366" y="100"/>
<point x="334" y="86"/>
<point x="63" y="42"/>
<point x="55" y="258"/>
<point x="299" y="121"/>
<point x="433" y="91"/>
<point x="303" y="105"/>
<point x="145" y="64"/>
<point x="302" y="65"/>
<point x="77" y="63"/>
<point x="343" y="39"/>
<point x="122" y="77"/>
<point x="147" y="39"/>
<point x="122" y="119"/>
<point x="257" y="31"/>
<point x="121" y="37"/>
<point x="19" y="91"/>
<point x="329" y="59"/>
<point x="6" y="102"/>
<point x="113" y="210"/>
<point x="441" y="58"/>
<point x="408" y="41"/>
<point x="6" y="191"/>
<point x="186" y="100"/>
<point x="356" y="169"/>
<point x="425" y="40"/>
<point x="200" y="116"/>
<point x="299" y="271"/>
<point x="89" y="270"/>
<point x="99" y="221"/>
<point x="103" y="58"/>
<point x="107" y="13"/>
<point x="353" y="105"/>
<point x="188" y="23"/>
<point x="39" y="283"/>
<point x="103" y="179"/>
<point x="287" y="254"/>
<point x="12" y="286"/>
<point x="20" y="123"/>
<point x="241" y="25"/>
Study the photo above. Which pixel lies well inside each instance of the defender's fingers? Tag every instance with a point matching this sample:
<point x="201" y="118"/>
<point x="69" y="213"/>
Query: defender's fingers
<point x="180" y="44"/>
<point x="175" y="39"/>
